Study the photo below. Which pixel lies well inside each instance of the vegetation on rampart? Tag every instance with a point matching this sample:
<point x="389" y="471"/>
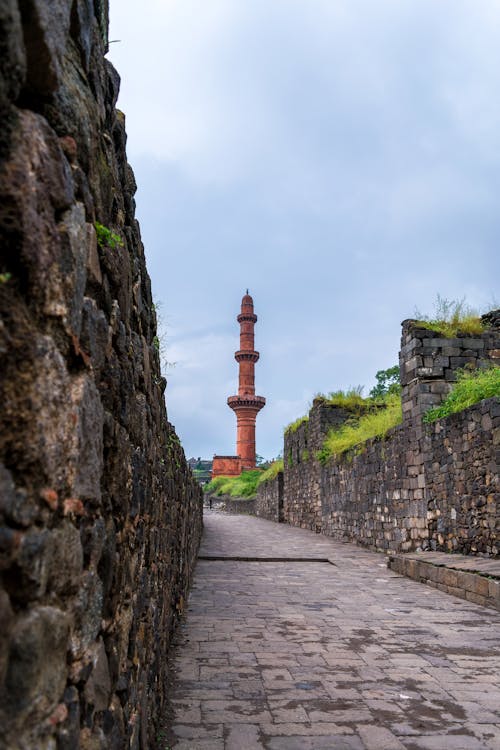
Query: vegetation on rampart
<point x="243" y="486"/>
<point x="471" y="387"/>
<point x="271" y="472"/>
<point x="294" y="426"/>
<point x="246" y="484"/>
<point x="378" y="419"/>
<point x="351" y="400"/>
<point x="451" y="317"/>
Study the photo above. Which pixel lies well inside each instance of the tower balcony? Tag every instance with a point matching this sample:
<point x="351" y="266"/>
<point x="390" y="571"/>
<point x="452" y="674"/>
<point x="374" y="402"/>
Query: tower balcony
<point x="247" y="318"/>
<point x="255" y="403"/>
<point x="246" y="355"/>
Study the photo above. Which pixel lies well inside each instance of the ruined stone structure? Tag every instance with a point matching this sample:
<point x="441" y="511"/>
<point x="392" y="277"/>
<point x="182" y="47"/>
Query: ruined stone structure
<point x="100" y="517"/>
<point x="246" y="405"/>
<point x="424" y="486"/>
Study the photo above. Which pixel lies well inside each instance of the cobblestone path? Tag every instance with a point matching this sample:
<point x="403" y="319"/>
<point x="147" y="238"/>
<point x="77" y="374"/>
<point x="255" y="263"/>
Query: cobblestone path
<point x="319" y="655"/>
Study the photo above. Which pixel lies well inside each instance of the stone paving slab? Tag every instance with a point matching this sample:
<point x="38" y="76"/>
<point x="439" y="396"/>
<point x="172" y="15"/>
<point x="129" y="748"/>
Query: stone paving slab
<point x="313" y="656"/>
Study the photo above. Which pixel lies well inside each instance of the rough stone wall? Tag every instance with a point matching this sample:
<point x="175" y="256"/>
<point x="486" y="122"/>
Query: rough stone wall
<point x="369" y="498"/>
<point x="269" y="500"/>
<point x="461" y="458"/>
<point x="423" y="486"/>
<point x="100" y="517"/>
<point x="302" y="502"/>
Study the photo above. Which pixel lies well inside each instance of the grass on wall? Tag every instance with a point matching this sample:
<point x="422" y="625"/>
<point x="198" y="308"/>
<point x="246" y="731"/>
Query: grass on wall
<point x="353" y="434"/>
<point x="471" y="387"/>
<point x="294" y="426"/>
<point x="243" y="486"/>
<point x="271" y="472"/>
<point x="451" y="317"/>
<point x="352" y="400"/>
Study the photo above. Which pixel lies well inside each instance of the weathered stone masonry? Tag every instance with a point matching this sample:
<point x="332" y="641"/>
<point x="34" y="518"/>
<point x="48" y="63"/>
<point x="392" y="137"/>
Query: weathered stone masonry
<point x="100" y="517"/>
<point x="423" y="487"/>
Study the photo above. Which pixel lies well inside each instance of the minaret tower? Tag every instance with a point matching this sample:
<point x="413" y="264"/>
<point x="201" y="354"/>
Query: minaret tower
<point x="246" y="405"/>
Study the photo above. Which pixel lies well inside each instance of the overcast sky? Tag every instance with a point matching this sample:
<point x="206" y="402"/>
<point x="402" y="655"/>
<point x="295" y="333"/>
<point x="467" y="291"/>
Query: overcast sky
<point x="340" y="158"/>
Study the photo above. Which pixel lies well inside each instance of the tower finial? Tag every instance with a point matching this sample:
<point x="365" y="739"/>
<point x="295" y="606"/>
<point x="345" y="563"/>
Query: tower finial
<point x="247" y="291"/>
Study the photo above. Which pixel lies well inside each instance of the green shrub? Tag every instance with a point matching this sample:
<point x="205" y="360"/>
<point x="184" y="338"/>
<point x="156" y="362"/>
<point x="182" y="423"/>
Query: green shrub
<point x="451" y="317"/>
<point x="243" y="486"/>
<point x="354" y="433"/>
<point x="106" y="237"/>
<point x="294" y="426"/>
<point x="271" y="472"/>
<point x="471" y="387"/>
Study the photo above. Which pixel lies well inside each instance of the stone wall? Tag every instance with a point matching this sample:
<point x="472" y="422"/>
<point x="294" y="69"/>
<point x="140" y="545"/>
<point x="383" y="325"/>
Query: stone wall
<point x="461" y="457"/>
<point x="423" y="486"/>
<point x="301" y="480"/>
<point x="269" y="500"/>
<point x="100" y="517"/>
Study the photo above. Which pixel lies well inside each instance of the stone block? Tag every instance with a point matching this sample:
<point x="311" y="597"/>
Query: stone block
<point x="36" y="672"/>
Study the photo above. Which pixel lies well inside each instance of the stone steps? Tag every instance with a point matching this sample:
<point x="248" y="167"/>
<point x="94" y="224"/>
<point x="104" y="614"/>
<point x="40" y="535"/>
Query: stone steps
<point x="476" y="579"/>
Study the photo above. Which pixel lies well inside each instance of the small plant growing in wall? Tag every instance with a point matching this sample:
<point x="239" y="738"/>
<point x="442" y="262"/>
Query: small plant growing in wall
<point x="5" y="277"/>
<point x="106" y="237"/>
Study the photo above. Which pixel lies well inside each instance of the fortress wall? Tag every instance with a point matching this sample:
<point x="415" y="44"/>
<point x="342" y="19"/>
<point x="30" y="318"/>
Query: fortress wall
<point x="269" y="499"/>
<point x="100" y="516"/>
<point x="423" y="486"/>
<point x="301" y="499"/>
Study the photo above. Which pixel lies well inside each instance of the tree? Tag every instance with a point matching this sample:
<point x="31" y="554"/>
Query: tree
<point x="387" y="382"/>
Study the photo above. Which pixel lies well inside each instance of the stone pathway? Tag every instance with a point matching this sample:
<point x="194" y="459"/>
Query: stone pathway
<point x="333" y="655"/>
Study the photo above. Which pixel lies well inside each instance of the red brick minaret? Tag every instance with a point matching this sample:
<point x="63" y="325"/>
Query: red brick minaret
<point x="246" y="405"/>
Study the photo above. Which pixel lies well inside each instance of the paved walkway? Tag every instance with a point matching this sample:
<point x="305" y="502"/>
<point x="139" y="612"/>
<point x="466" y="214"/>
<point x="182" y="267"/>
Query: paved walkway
<point x="319" y="656"/>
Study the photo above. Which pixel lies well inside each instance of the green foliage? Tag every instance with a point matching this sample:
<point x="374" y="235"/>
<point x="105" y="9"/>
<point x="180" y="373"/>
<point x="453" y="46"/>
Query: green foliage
<point x="243" y="486"/>
<point x="106" y="237"/>
<point x="471" y="387"/>
<point x="356" y="431"/>
<point x="451" y="317"/>
<point x="290" y="458"/>
<point x="294" y="426"/>
<point x="305" y="455"/>
<point x="387" y="382"/>
<point x="271" y="472"/>
<point x="156" y="343"/>
<point x="5" y="277"/>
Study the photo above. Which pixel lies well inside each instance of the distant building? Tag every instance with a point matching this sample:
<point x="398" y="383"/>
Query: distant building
<point x="201" y="468"/>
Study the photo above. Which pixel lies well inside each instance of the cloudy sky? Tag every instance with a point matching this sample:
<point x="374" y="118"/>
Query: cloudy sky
<point x="340" y="158"/>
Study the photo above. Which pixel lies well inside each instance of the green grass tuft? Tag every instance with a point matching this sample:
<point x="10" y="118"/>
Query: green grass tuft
<point x="294" y="426"/>
<point x="351" y="400"/>
<point x="471" y="387"/>
<point x="271" y="472"/>
<point x="451" y="317"/>
<point x="355" y="432"/>
<point x="243" y="486"/>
